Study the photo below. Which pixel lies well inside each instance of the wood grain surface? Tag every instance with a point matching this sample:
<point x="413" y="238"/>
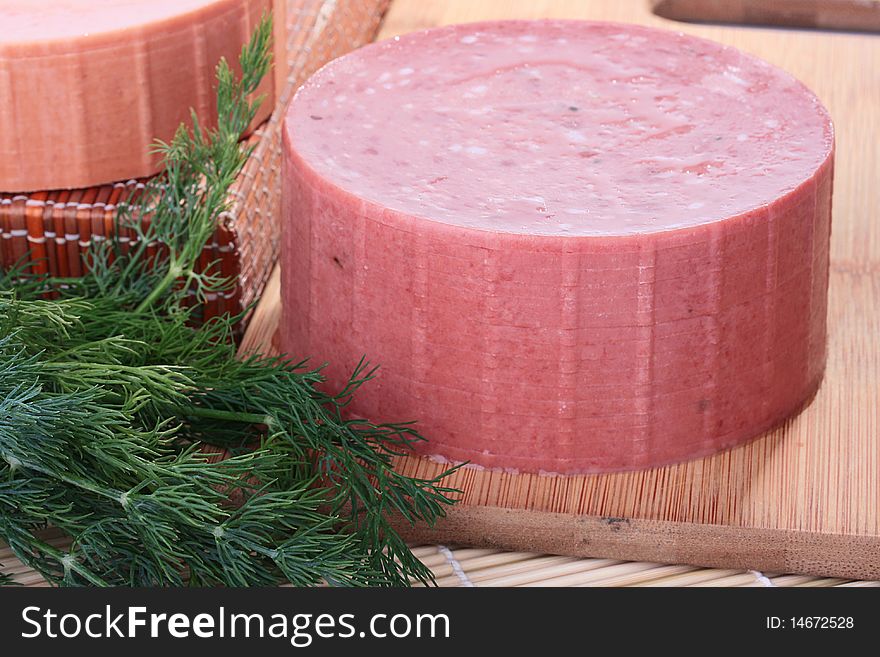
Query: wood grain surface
<point x="805" y="498"/>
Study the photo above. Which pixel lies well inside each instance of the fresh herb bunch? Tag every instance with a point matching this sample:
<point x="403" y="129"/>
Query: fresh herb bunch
<point x="113" y="409"/>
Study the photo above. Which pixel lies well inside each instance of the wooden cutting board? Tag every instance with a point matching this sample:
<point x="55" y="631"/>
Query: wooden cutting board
<point x="804" y="498"/>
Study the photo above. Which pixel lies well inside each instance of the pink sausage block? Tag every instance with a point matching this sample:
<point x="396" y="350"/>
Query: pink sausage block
<point x="86" y="87"/>
<point x="572" y="247"/>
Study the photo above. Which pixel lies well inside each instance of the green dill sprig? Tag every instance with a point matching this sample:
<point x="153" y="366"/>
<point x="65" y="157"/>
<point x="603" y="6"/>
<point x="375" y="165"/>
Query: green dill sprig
<point x="113" y="409"/>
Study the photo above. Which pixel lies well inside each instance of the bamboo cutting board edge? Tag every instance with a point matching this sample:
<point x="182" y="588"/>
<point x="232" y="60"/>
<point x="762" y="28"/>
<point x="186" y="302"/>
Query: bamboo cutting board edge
<point x="849" y="556"/>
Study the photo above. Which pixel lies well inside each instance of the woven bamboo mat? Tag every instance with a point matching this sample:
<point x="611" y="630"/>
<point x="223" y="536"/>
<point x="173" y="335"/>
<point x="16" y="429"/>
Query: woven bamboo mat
<point x="470" y="567"/>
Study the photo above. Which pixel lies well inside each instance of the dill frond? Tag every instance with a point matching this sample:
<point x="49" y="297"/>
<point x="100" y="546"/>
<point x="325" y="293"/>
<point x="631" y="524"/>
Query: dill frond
<point x="112" y="407"/>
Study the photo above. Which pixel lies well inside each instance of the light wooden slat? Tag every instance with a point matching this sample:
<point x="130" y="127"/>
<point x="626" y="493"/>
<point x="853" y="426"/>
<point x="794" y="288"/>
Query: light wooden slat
<point x="468" y="554"/>
<point x="822" y="582"/>
<point x="742" y="579"/>
<point x="583" y="576"/>
<point x="655" y="574"/>
<point x="800" y="580"/>
<point x="865" y="584"/>
<point x="691" y="578"/>
<point x="452" y="582"/>
<point x="526" y="573"/>
<point x="472" y="566"/>
<point x="424" y="551"/>
<point x="532" y="565"/>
